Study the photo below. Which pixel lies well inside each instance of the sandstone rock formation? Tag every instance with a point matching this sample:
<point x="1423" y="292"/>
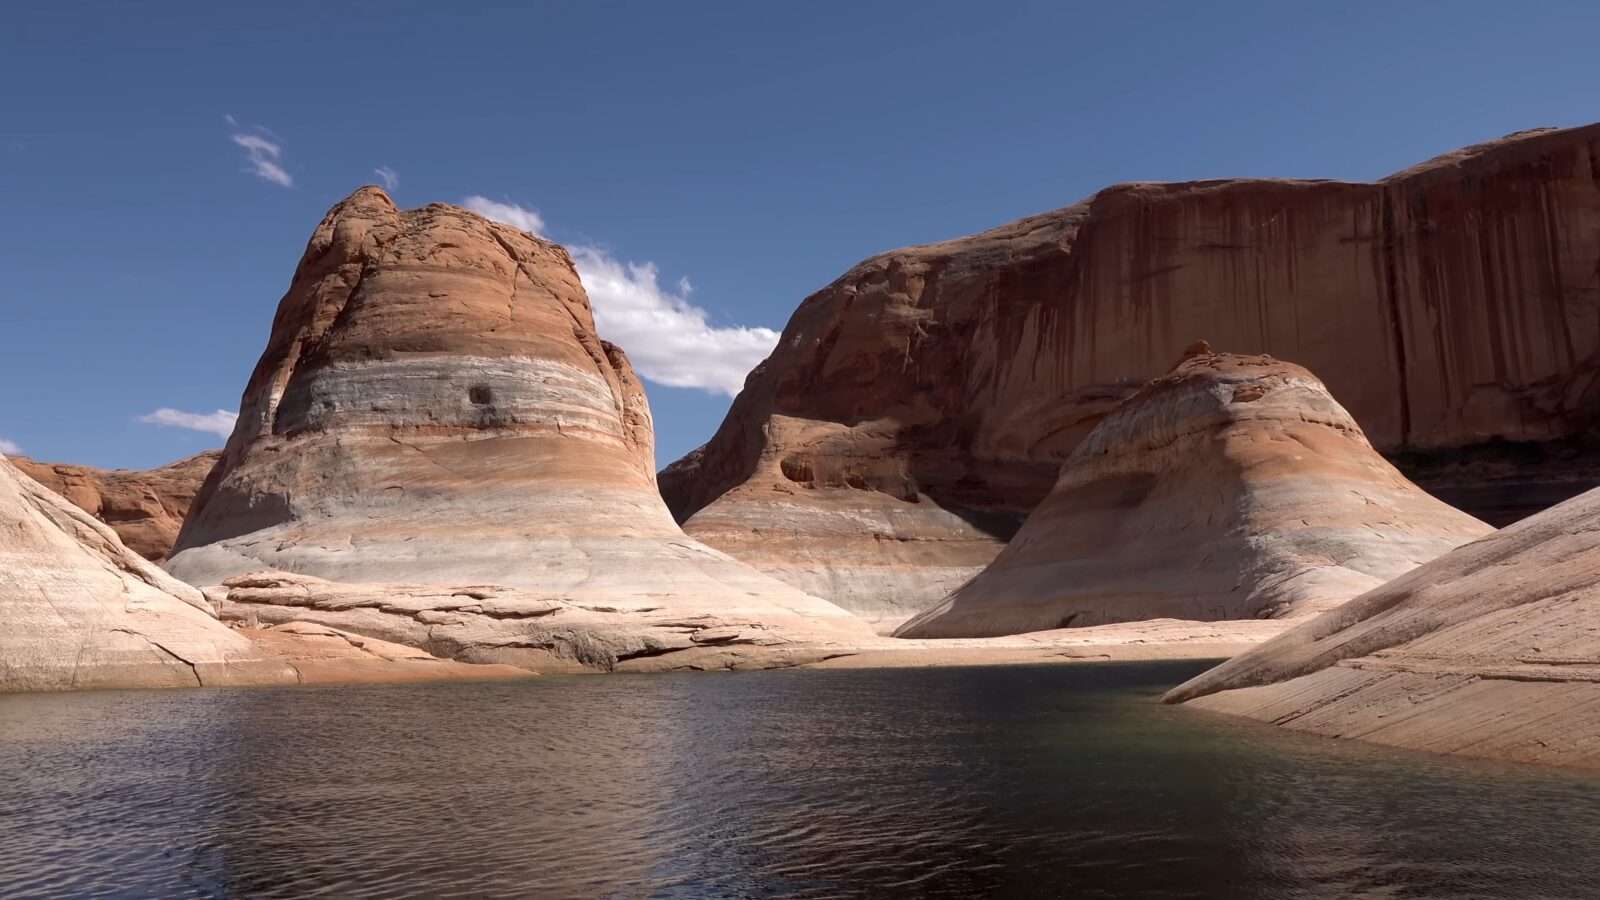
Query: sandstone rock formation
<point x="917" y="408"/>
<point x="80" y="610"/>
<point x="144" y="507"/>
<point x="435" y="407"/>
<point x="1234" y="487"/>
<point x="1492" y="650"/>
<point x="321" y="655"/>
<point x="540" y="632"/>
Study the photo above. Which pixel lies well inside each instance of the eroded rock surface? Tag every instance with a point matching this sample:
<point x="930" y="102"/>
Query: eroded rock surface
<point x="322" y="655"/>
<point x="534" y="631"/>
<point x="145" y="507"/>
<point x="80" y="610"/>
<point x="1234" y="487"/>
<point x="920" y="406"/>
<point x="435" y="407"/>
<point x="1492" y="650"/>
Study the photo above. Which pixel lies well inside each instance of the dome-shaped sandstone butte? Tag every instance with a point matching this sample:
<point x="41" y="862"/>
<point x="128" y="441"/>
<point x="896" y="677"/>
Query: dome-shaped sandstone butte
<point x="1233" y="487"/>
<point x="433" y="407"/>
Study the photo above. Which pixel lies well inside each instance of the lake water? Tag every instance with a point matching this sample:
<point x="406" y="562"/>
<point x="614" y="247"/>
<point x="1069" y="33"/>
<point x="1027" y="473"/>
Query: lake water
<point x="1059" y="781"/>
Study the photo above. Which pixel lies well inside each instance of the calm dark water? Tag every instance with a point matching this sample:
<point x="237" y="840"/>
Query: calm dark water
<point x="1065" y="781"/>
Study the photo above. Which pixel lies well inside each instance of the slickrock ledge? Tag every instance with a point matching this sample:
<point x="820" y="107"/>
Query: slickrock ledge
<point x="492" y="624"/>
<point x="1152" y="639"/>
<point x="1234" y="487"/>
<point x="320" y="655"/>
<point x="79" y="610"/>
<point x="916" y="409"/>
<point x="497" y="627"/>
<point x="1492" y="650"/>
<point x="145" y="507"/>
<point x="434" y="407"/>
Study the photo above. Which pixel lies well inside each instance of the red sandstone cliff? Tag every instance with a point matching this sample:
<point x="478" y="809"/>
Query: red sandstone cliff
<point x="144" y="507"/>
<point x="928" y="396"/>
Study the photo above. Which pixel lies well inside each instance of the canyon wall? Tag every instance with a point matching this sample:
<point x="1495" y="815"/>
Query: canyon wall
<point x="917" y="408"/>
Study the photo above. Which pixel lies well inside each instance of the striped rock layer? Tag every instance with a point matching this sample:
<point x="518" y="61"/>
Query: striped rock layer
<point x="1492" y="650"/>
<point x="435" y="407"/>
<point x="80" y="610"/>
<point x="1234" y="487"/>
<point x="920" y="406"/>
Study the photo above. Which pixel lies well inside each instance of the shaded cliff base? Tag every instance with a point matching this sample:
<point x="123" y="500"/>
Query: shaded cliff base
<point x="1502" y="481"/>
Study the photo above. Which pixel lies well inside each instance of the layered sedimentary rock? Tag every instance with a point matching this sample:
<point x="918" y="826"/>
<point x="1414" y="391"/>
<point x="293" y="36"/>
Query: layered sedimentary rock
<point x="80" y="610"/>
<point x="318" y="654"/>
<point x="537" y="631"/>
<point x="917" y="408"/>
<point x="145" y="507"/>
<point x="1491" y="650"/>
<point x="435" y="407"/>
<point x="1234" y="487"/>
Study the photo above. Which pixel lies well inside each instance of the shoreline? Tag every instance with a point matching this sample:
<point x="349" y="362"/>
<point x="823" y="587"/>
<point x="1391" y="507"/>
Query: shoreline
<point x="321" y="656"/>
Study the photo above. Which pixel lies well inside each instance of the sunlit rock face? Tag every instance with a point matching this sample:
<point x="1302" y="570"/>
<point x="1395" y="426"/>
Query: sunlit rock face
<point x="145" y="507"/>
<point x="434" y="406"/>
<point x="80" y="610"/>
<point x="920" y="406"/>
<point x="1491" y="650"/>
<point x="1234" y="487"/>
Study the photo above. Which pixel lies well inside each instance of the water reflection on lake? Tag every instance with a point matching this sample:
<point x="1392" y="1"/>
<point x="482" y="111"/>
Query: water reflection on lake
<point x="1009" y="781"/>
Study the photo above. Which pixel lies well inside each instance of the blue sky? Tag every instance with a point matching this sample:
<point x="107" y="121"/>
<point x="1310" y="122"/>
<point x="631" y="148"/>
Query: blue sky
<point x="755" y="150"/>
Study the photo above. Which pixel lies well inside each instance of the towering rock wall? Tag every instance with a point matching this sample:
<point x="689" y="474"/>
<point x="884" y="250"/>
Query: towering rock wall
<point x="145" y="507"/>
<point x="435" y="407"/>
<point x="1233" y="487"/>
<point x="927" y="398"/>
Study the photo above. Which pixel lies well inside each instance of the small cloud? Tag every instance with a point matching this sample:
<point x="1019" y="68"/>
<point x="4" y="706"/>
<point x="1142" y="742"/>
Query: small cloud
<point x="219" y="423"/>
<point x="264" y="150"/>
<point x="511" y="214"/>
<point x="391" y="178"/>
<point x="10" y="448"/>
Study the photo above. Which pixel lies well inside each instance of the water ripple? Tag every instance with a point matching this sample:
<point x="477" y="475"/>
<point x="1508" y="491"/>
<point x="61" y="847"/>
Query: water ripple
<point x="1052" y="781"/>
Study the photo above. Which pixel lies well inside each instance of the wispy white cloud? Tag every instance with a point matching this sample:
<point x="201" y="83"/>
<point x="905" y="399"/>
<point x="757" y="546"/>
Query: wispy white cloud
<point x="263" y="150"/>
<point x="511" y="214"/>
<point x="669" y="340"/>
<point x="9" y="448"/>
<point x="391" y="178"/>
<point x="219" y="423"/>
